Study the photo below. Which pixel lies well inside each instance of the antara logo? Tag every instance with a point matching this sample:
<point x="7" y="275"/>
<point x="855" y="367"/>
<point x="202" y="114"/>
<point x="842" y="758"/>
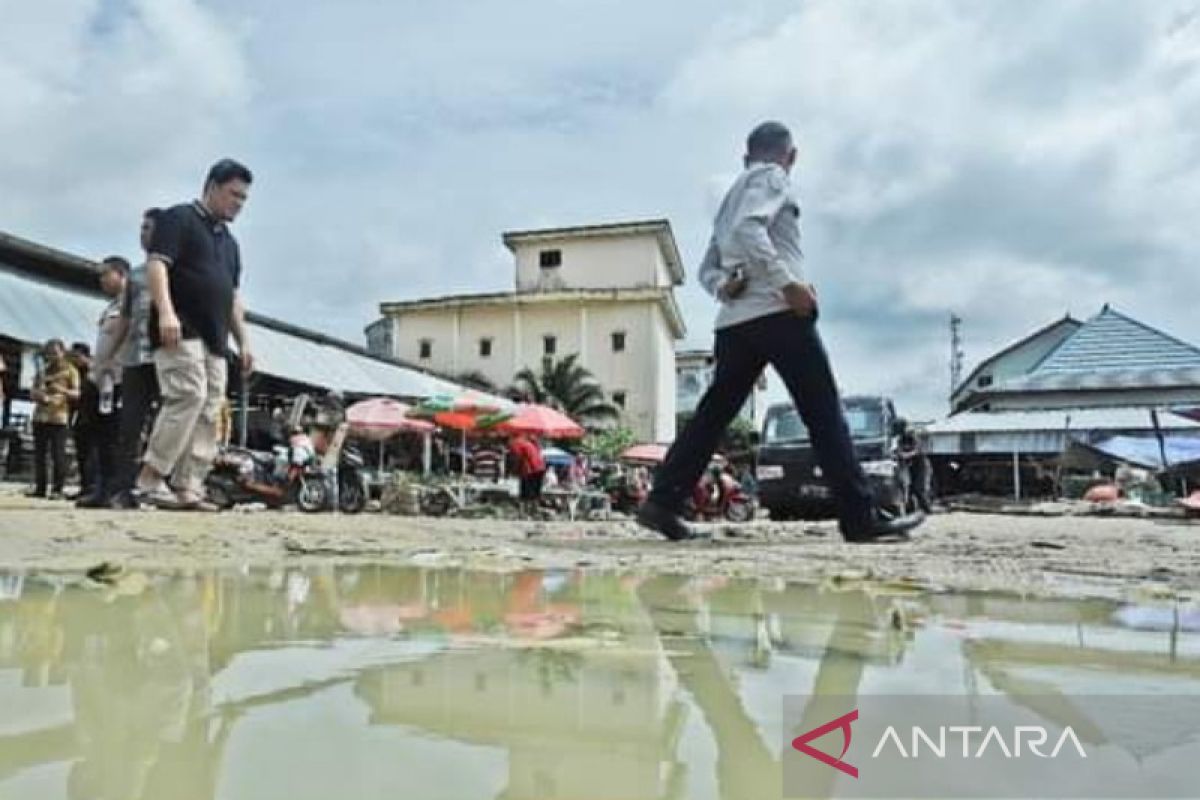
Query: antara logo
<point x="801" y="743"/>
<point x="1033" y="737"/>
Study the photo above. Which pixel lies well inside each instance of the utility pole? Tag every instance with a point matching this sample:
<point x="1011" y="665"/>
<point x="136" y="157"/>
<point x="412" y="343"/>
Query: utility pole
<point x="956" y="352"/>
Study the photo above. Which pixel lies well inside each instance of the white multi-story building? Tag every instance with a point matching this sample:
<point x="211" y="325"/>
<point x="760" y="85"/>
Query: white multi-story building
<point x="693" y="376"/>
<point x="605" y="292"/>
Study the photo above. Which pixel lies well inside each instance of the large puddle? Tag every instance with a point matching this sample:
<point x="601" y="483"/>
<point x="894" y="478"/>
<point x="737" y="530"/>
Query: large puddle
<point x="407" y="682"/>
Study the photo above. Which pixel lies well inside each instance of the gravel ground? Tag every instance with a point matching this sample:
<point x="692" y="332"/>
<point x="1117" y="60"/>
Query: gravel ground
<point x="1061" y="556"/>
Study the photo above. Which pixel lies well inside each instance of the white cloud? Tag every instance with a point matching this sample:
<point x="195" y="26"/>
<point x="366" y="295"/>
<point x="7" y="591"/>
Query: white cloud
<point x="1009" y="160"/>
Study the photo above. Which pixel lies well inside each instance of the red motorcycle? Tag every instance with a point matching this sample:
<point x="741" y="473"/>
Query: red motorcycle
<point x="719" y="497"/>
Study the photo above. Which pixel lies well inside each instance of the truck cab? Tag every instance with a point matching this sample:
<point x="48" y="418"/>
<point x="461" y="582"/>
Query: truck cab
<point x="791" y="484"/>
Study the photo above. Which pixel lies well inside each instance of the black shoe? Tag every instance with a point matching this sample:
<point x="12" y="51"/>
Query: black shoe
<point x="124" y="501"/>
<point x="885" y="527"/>
<point x="92" y="501"/>
<point x="664" y="521"/>
<point x="38" y="494"/>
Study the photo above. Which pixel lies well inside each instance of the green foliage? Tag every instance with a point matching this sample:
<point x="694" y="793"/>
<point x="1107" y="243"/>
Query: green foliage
<point x="608" y="444"/>
<point x="568" y="387"/>
<point x="738" y="440"/>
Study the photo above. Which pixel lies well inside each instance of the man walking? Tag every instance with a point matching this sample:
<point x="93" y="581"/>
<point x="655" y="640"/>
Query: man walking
<point x="139" y="384"/>
<point x="101" y="403"/>
<point x="193" y="272"/>
<point x="768" y="316"/>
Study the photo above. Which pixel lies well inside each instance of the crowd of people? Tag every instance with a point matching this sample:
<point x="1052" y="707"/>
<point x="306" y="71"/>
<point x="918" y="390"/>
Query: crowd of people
<point x="145" y="404"/>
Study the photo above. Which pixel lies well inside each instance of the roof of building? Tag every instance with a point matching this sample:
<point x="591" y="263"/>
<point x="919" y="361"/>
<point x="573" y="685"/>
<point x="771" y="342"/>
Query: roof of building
<point x="1109" y="352"/>
<point x="1120" y="418"/>
<point x="649" y="294"/>
<point x="1066" y="320"/>
<point x="659" y="228"/>
<point x="1111" y="341"/>
<point x="46" y="293"/>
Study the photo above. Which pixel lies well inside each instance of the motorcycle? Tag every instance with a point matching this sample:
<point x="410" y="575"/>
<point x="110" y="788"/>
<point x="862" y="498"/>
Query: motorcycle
<point x="352" y="489"/>
<point x="719" y="498"/>
<point x="240" y="475"/>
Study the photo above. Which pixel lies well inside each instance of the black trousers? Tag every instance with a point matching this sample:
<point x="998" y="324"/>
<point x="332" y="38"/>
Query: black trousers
<point x="139" y="395"/>
<point x="793" y="347"/>
<point x="50" y="438"/>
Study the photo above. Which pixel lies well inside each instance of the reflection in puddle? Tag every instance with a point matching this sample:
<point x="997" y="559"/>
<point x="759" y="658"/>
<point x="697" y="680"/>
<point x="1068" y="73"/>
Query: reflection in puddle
<point x="381" y="682"/>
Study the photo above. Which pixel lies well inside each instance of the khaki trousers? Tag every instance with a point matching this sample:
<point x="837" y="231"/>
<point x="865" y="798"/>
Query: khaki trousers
<point x="184" y="441"/>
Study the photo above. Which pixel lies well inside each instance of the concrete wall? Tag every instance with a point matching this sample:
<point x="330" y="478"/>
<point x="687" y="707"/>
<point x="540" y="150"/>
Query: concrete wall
<point x="602" y="262"/>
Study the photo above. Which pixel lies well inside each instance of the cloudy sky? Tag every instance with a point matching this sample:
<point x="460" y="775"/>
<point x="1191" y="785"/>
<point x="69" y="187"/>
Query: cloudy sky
<point x="1008" y="160"/>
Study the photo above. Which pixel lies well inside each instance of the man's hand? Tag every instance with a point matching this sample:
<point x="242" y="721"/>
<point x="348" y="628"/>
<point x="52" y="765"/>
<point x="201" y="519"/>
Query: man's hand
<point x="37" y="396"/>
<point x="246" y="358"/>
<point x="733" y="286"/>
<point x="168" y="329"/>
<point x="802" y="298"/>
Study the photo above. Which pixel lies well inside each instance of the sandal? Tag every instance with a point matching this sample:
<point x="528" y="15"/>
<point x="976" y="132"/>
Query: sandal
<point x="159" y="497"/>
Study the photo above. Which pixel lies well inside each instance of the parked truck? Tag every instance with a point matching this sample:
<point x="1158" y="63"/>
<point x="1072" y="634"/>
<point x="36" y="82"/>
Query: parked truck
<point x="790" y="482"/>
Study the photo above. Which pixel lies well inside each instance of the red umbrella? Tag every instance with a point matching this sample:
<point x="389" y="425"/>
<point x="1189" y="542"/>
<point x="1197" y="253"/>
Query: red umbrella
<point x="383" y="417"/>
<point x="541" y="421"/>
<point x="645" y="453"/>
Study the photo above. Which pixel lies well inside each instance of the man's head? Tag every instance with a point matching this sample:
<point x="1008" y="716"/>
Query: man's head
<point x="81" y="353"/>
<point x="226" y="189"/>
<point x="113" y="272"/>
<point x="54" y="350"/>
<point x="149" y="219"/>
<point x="770" y="143"/>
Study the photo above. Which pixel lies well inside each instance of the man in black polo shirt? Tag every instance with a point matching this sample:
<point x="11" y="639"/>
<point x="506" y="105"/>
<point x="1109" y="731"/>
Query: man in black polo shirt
<point x="193" y="272"/>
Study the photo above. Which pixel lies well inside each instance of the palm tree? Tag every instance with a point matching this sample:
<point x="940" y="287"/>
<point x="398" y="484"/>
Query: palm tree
<point x="569" y="387"/>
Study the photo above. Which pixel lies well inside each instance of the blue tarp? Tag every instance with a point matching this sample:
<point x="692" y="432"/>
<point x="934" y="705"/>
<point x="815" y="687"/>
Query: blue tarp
<point x="1144" y="450"/>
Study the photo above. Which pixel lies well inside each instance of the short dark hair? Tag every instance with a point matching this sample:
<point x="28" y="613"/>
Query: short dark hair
<point x="115" y="263"/>
<point x="81" y="348"/>
<point x="51" y="342"/>
<point x="152" y="214"/>
<point x="768" y="140"/>
<point x="227" y="170"/>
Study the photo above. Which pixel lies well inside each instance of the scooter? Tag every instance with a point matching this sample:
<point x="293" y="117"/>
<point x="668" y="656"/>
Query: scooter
<point x="239" y="475"/>
<point x="724" y="500"/>
<point x="352" y="489"/>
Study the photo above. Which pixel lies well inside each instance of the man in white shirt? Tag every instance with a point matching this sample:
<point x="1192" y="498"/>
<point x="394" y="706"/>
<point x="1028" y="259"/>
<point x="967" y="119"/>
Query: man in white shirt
<point x="768" y="315"/>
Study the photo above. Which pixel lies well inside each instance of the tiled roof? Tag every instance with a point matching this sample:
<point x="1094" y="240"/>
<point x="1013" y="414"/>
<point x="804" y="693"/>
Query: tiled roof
<point x="1112" y="352"/>
<point x="1112" y="342"/>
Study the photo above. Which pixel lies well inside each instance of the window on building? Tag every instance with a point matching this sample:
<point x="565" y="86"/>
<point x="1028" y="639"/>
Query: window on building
<point x="426" y="348"/>
<point x="618" y="399"/>
<point x="984" y="381"/>
<point x="485" y="348"/>
<point x="549" y="345"/>
<point x="618" y="341"/>
<point x="550" y="258"/>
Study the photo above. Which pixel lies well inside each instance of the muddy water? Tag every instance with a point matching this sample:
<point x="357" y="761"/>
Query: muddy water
<point x="382" y="683"/>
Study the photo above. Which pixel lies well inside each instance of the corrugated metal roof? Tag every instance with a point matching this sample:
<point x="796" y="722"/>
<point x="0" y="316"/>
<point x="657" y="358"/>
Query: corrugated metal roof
<point x="1041" y="431"/>
<point x="1101" y="379"/>
<point x="1124" y="418"/>
<point x="32" y="311"/>
<point x="1113" y="342"/>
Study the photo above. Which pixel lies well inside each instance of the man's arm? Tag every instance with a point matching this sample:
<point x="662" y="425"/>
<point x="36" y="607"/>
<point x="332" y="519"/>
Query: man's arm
<point x="160" y="295"/>
<point x="72" y="389"/>
<point x="715" y="279"/>
<point x="120" y="331"/>
<point x="241" y="333"/>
